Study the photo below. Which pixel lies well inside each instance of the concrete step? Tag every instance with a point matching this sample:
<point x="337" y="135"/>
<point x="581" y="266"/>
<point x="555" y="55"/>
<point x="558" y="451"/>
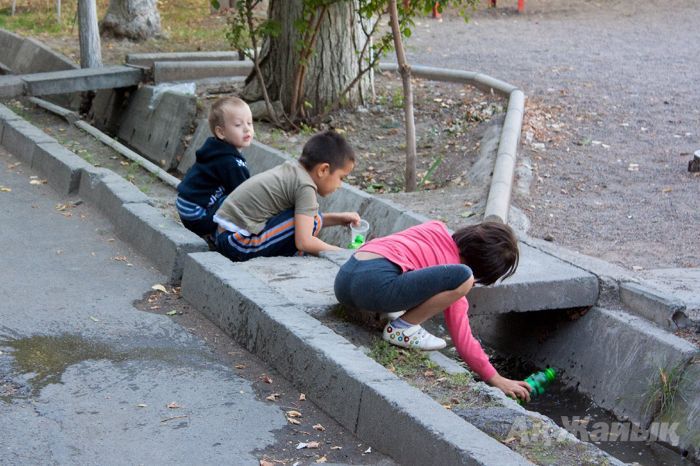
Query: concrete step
<point x="542" y="282"/>
<point x="67" y="81"/>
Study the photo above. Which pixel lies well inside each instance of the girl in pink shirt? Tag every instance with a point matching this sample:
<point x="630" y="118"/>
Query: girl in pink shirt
<point x="423" y="271"/>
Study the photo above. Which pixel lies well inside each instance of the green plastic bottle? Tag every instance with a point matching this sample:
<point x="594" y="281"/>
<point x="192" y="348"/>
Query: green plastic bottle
<point x="357" y="241"/>
<point x="540" y="380"/>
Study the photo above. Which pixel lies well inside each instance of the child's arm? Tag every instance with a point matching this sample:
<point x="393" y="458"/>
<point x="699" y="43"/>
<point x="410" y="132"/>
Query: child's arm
<point x="341" y="218"/>
<point x="473" y="354"/>
<point x="305" y="240"/>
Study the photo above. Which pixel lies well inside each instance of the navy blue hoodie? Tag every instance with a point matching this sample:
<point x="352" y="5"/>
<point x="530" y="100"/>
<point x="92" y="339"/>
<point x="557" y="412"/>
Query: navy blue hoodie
<point x="219" y="169"/>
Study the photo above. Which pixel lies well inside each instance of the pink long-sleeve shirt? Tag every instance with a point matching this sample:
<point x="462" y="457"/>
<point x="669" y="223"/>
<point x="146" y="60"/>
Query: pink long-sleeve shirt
<point x="423" y="246"/>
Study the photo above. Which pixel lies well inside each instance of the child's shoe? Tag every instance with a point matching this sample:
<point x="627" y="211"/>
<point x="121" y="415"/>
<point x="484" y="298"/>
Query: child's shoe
<point x="414" y="336"/>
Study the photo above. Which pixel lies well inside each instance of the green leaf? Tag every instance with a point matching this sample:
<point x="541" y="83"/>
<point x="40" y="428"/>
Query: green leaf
<point x="171" y="313"/>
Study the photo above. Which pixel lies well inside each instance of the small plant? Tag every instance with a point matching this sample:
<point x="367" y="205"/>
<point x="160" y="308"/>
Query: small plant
<point x="397" y="98"/>
<point x="403" y="362"/>
<point x="662" y="392"/>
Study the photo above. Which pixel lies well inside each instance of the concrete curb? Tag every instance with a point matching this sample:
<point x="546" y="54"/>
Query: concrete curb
<point x="328" y="368"/>
<point x="162" y="240"/>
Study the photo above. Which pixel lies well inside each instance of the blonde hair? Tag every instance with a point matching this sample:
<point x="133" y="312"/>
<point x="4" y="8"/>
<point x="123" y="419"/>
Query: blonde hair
<point x="216" y="113"/>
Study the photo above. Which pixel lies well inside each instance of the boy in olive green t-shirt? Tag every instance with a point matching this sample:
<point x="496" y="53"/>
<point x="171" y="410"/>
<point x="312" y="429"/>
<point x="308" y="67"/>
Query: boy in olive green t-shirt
<point x="275" y="213"/>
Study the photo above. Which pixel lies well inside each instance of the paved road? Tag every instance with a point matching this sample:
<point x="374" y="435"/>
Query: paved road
<point x="613" y="103"/>
<point x="87" y="378"/>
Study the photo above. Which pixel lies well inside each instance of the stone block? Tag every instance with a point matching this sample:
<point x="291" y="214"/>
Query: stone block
<point x="20" y="138"/>
<point x="84" y="79"/>
<point x="160" y="239"/>
<point x="261" y="157"/>
<point x="166" y="71"/>
<point x="156" y="132"/>
<point x="147" y="60"/>
<point x="61" y="167"/>
<point x="10" y="43"/>
<point x="11" y="86"/>
<point x="422" y="431"/>
<point x="307" y="280"/>
<point x="108" y="191"/>
<point x="654" y="306"/>
<point x="35" y="57"/>
<point x="200" y="135"/>
<point x="107" y="108"/>
<point x="541" y="282"/>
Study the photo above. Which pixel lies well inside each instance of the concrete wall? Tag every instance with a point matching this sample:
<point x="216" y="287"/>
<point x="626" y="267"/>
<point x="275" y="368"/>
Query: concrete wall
<point x="25" y="55"/>
<point x="157" y="133"/>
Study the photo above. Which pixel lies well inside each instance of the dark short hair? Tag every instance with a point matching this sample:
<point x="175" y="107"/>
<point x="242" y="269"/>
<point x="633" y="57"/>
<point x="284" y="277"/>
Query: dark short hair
<point x="216" y="112"/>
<point x="490" y="249"/>
<point x="327" y="147"/>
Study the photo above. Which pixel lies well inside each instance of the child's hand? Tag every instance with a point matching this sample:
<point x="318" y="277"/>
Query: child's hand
<point x="350" y="218"/>
<point x="512" y="388"/>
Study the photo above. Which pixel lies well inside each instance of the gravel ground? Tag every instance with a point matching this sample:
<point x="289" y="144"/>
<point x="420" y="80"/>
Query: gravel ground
<point x="613" y="90"/>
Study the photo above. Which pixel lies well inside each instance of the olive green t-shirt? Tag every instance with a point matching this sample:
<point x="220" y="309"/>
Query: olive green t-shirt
<point x="265" y="195"/>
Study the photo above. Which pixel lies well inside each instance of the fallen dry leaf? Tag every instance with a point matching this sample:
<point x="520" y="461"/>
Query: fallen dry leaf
<point x="14" y="165"/>
<point x="313" y="445"/>
<point x="322" y="459"/>
<point x="302" y="397"/>
<point x="266" y="463"/>
<point x="159" y="287"/>
<point x="38" y="181"/>
<point x="319" y="427"/>
<point x="240" y="366"/>
<point x="3" y="189"/>
<point x="293" y="421"/>
<point x="293" y="413"/>
<point x="120" y="258"/>
<point x="273" y="397"/>
<point x="173" y="405"/>
<point x="336" y="447"/>
<point x="266" y="378"/>
<point x="141" y="405"/>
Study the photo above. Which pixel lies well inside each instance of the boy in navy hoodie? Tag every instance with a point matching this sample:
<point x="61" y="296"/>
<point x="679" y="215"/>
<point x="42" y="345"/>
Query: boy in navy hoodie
<point x="219" y="167"/>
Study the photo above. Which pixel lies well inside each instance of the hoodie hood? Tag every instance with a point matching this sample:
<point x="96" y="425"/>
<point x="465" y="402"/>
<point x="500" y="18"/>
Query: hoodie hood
<point x="213" y="148"/>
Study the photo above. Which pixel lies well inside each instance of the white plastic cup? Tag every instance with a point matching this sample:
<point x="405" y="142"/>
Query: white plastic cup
<point x="359" y="230"/>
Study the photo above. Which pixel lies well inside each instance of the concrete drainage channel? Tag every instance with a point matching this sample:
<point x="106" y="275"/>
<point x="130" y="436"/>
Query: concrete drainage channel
<point x="608" y="354"/>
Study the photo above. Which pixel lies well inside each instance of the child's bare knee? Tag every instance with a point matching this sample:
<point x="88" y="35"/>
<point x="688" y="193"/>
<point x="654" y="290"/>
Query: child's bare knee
<point x="466" y="286"/>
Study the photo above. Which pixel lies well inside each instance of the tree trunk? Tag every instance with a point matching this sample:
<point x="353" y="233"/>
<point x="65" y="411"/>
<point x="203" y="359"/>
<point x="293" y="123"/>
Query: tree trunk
<point x="133" y="19"/>
<point x="333" y="63"/>
<point x="405" y="71"/>
<point x="89" y="37"/>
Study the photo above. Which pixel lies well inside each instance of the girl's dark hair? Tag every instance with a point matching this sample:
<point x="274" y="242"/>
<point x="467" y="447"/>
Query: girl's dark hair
<point x="490" y="249"/>
<point x="326" y="147"/>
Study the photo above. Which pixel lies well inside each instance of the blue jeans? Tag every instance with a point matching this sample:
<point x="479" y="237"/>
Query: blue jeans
<point x="379" y="285"/>
<point x="276" y="239"/>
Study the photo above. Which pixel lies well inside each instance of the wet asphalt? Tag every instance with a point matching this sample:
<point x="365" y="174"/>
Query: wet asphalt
<point x="86" y="377"/>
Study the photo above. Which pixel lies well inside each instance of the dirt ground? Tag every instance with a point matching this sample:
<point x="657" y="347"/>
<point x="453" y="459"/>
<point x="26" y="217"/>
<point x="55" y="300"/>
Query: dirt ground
<point x="611" y="122"/>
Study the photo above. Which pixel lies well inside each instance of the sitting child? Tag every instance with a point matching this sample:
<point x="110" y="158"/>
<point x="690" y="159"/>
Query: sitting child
<point x="424" y="270"/>
<point x="275" y="213"/>
<point x="219" y="167"/>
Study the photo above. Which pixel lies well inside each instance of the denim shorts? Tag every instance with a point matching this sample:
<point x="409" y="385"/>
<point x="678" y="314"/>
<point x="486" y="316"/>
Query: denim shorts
<point x="379" y="285"/>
